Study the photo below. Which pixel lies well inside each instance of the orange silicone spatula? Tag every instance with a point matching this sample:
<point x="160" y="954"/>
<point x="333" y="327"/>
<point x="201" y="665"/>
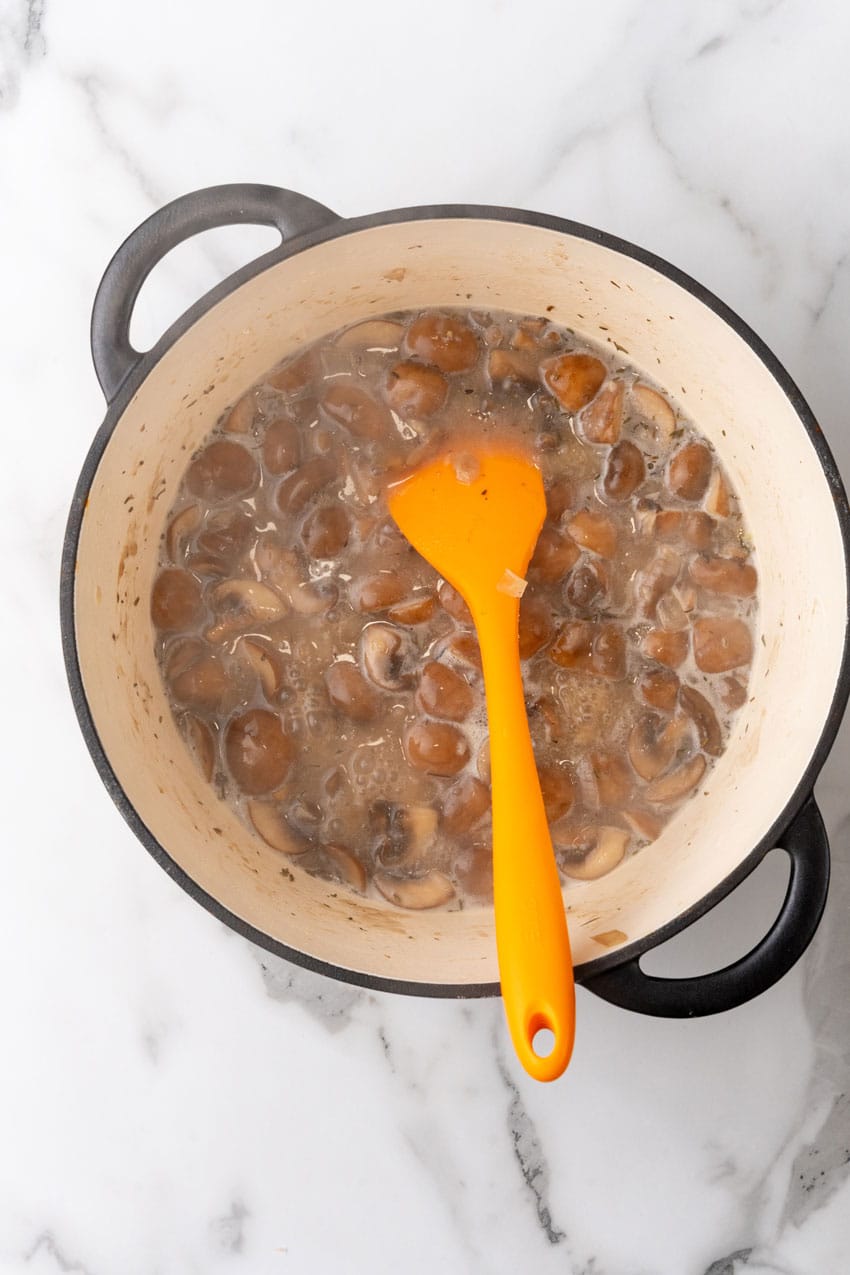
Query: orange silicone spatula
<point x="479" y="532"/>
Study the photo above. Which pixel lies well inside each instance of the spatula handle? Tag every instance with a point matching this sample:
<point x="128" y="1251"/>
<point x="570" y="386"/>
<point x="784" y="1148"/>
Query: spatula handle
<point x="535" y="964"/>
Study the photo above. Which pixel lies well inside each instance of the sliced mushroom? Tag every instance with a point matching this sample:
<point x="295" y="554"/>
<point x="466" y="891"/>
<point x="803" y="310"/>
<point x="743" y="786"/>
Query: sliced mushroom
<point x="670" y="613"/>
<point x="560" y="496"/>
<point x="482" y="761"/>
<point x="475" y="873"/>
<point x="222" y="469"/>
<point x="728" y="576"/>
<point x="602" y="420"/>
<point x="643" y="823"/>
<point x="587" y="585"/>
<point x="535" y="626"/>
<point x="281" y="447"/>
<point x="356" y="411"/>
<point x="464" y="647"/>
<point x="297" y="489"/>
<point x="734" y="693"/>
<point x="414" y="390"/>
<point x="447" y="341"/>
<point x="653" y="407"/>
<point x="588" y="647"/>
<point x="624" y="472"/>
<point x="240" y="418"/>
<point x="514" y="367"/>
<point x="554" y="554"/>
<point x="660" y="688"/>
<point x="608" y="851"/>
<point x="226" y="537"/>
<point x="258" y="752"/>
<point x="557" y="789"/>
<point x="241" y="604"/>
<point x="721" y="643"/>
<point x="294" y="375"/>
<point x="200" y="682"/>
<point x="673" y="787"/>
<point x="372" y="334"/>
<point x="351" y="693"/>
<point x="388" y="656"/>
<point x="717" y="496"/>
<point x="264" y="664"/>
<point x="652" y="583"/>
<point x="574" y="379"/>
<point x="176" y="601"/>
<point x="416" y="893"/>
<point x="269" y="821"/>
<point x="595" y="531"/>
<point x="181" y="527"/>
<point x="199" y="737"/>
<point x="345" y="866"/>
<point x="689" y="471"/>
<point x="438" y="748"/>
<point x="651" y="746"/>
<point x="691" y="525"/>
<point x="667" y="646"/>
<point x="379" y="591"/>
<point x="614" y="779"/>
<point x="444" y="693"/>
<point x="325" y="531"/>
<point x="416" y="610"/>
<point x="704" y="718"/>
<point x="452" y="602"/>
<point x="464" y="805"/>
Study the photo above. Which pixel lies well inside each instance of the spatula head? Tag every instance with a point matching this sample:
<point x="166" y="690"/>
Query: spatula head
<point x="475" y="515"/>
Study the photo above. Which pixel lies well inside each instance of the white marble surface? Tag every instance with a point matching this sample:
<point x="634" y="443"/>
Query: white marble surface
<point x="174" y="1100"/>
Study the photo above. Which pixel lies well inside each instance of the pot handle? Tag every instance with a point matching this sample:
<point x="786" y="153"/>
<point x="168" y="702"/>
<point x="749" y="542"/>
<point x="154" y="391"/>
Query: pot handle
<point x="113" y="355"/>
<point x="806" y="844"/>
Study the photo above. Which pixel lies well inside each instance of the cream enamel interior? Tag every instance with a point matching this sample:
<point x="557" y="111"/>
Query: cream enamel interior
<point x="484" y="263"/>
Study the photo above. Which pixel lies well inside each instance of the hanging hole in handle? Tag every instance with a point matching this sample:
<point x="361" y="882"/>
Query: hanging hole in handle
<point x="729" y="930"/>
<point x="189" y="270"/>
<point x="543" y="1042"/>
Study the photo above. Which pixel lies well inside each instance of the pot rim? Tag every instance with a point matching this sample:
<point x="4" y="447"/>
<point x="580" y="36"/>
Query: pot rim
<point x="147" y="363"/>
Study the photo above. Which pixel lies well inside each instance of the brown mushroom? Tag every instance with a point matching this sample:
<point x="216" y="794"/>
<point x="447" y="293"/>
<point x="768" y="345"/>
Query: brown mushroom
<point x="624" y="472"/>
<point x="595" y="531"/>
<point x="447" y="341"/>
<point x="350" y="692"/>
<point x="269" y="821"/>
<point x="588" y="647"/>
<point x="689" y="471"/>
<point x="721" y="643"/>
<point x="614" y="780"/>
<point x="293" y="375"/>
<point x="734" y="693"/>
<point x="652" y="746"/>
<point x="602" y="420"/>
<point x="587" y="585"/>
<point x="264" y="663"/>
<point x="379" y="591"/>
<point x="222" y="469"/>
<point x="372" y="334"/>
<point x="417" y="893"/>
<point x="356" y="411"/>
<point x="667" y="646"/>
<point x="438" y="748"/>
<point x="728" y="576"/>
<point x="444" y="693"/>
<point x="180" y="528"/>
<point x="535" y="626"/>
<point x="240" y="418"/>
<point x="554" y="554"/>
<point x="659" y="688"/>
<point x="643" y="823"/>
<point x="557" y="789"/>
<point x="654" y="581"/>
<point x="690" y="525"/>
<point x="281" y="447"/>
<point x="672" y="787"/>
<point x="704" y="718"/>
<point x="717" y="496"/>
<point x="176" y="601"/>
<point x="609" y="848"/>
<point x="574" y="379"/>
<point x="200" y="681"/>
<point x="387" y="655"/>
<point x="512" y="367"/>
<point x="452" y="602"/>
<point x="345" y="866"/>
<point x="297" y="489"/>
<point x="258" y="752"/>
<point x="414" y="610"/>
<point x="560" y="496"/>
<point x="242" y="604"/>
<point x="653" y="407"/>
<point x="325" y="531"/>
<point x="414" y="390"/>
<point x="464" y="805"/>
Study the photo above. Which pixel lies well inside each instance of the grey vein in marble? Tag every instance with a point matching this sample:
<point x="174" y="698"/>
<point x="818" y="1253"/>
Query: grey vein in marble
<point x="229" y="1230"/>
<point x="21" y="43"/>
<point x="47" y="1243"/>
<point x="331" y="1003"/>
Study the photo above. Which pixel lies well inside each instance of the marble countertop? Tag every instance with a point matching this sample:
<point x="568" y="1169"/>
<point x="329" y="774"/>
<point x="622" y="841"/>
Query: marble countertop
<point x="175" y="1100"/>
